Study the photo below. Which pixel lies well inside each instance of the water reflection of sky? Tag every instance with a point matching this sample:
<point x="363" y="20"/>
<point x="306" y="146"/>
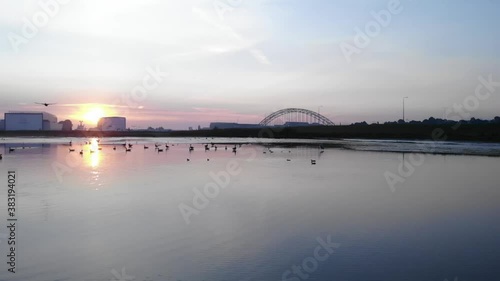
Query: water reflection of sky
<point x="264" y="222"/>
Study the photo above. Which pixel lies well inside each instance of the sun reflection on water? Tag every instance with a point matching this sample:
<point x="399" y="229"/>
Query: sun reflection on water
<point x="94" y="161"/>
<point x="95" y="156"/>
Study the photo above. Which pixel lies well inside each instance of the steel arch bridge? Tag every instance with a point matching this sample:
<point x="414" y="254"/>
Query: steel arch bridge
<point x="298" y="115"/>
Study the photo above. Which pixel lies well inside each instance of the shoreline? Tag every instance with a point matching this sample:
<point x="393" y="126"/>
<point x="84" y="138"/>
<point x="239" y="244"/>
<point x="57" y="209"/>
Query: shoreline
<point x="487" y="133"/>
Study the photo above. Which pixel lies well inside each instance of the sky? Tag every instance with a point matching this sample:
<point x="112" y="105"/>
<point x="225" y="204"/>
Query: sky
<point x="180" y="63"/>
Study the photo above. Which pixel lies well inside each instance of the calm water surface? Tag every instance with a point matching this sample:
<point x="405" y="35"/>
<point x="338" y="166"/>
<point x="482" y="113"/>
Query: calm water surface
<point x="113" y="215"/>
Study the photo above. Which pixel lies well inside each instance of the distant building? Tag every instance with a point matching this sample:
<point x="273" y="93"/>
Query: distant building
<point x="2" y="125"/>
<point x="224" y="125"/>
<point x="80" y="127"/>
<point x="31" y="121"/>
<point x="67" y="125"/>
<point x="112" y="124"/>
<point x="300" y="124"/>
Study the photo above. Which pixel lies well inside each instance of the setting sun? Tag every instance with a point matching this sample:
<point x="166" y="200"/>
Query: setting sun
<point x="92" y="115"/>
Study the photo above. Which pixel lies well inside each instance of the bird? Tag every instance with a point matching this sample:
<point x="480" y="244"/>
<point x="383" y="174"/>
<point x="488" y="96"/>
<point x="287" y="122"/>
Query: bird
<point x="166" y="146"/>
<point x="128" y="150"/>
<point x="12" y="149"/>
<point x="1" y="156"/>
<point x="71" y="150"/>
<point x="91" y="151"/>
<point x="288" y="160"/>
<point x="188" y="160"/>
<point x="100" y="148"/>
<point x="160" y="150"/>
<point x="146" y="147"/>
<point x="81" y="152"/>
<point x="313" y="162"/>
<point x="114" y="148"/>
<point x="130" y="145"/>
<point x="45" y="104"/>
<point x="226" y="147"/>
<point x="208" y="159"/>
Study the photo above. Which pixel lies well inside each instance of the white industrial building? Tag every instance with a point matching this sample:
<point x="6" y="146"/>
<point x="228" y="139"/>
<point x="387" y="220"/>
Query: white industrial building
<point x="112" y="124"/>
<point x="31" y="121"/>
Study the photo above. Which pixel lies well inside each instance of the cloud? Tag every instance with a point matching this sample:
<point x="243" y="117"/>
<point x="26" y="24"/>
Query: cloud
<point x="262" y="56"/>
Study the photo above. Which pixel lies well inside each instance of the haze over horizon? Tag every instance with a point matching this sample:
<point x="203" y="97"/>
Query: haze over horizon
<point x="240" y="62"/>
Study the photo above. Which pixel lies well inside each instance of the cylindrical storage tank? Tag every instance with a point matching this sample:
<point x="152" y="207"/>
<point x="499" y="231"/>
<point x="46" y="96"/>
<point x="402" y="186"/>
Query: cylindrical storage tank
<point x="112" y="124"/>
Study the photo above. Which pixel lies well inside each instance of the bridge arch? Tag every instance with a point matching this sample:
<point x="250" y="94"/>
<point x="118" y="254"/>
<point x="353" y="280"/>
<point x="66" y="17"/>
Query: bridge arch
<point x="296" y="115"/>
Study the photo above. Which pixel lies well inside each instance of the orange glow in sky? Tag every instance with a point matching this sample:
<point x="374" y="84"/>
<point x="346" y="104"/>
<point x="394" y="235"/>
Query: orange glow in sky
<point x="90" y="114"/>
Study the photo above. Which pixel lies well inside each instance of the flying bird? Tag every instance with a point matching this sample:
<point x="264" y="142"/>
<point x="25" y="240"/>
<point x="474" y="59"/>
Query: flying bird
<point x="45" y="104"/>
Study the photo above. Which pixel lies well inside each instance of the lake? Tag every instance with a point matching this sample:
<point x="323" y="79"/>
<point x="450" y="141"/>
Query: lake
<point x="367" y="210"/>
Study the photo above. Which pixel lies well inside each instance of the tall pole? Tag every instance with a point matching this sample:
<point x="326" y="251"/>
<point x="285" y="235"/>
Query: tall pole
<point x="404" y="120"/>
<point x="319" y="109"/>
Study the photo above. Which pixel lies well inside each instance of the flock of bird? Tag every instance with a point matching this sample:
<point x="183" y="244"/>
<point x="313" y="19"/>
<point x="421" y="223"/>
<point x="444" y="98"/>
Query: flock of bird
<point x="161" y="148"/>
<point x="158" y="148"/>
<point x="11" y="149"/>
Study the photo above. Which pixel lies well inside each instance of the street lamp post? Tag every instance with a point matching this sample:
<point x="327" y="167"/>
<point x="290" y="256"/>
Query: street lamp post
<point x="404" y="120"/>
